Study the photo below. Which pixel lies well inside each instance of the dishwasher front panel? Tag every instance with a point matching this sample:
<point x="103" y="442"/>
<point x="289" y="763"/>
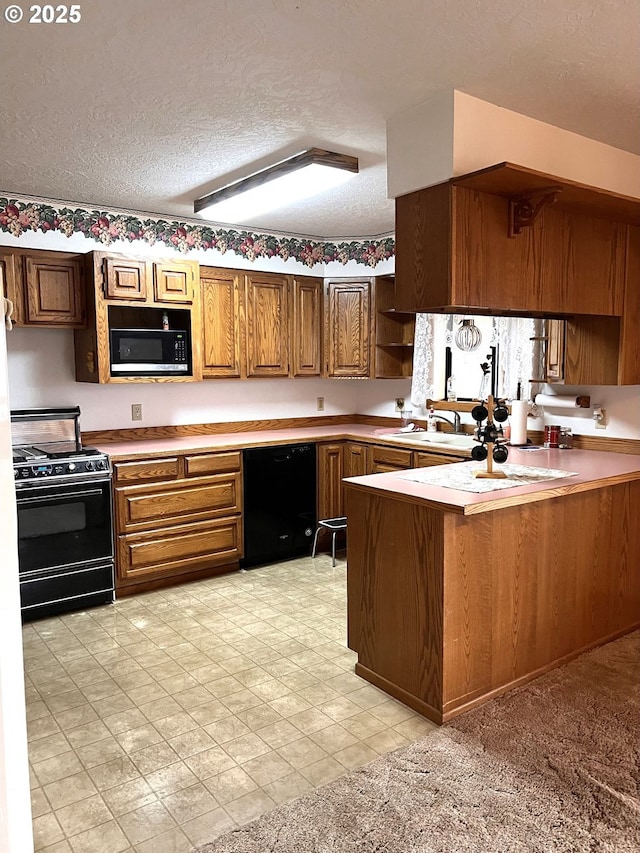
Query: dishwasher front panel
<point x="279" y="502"/>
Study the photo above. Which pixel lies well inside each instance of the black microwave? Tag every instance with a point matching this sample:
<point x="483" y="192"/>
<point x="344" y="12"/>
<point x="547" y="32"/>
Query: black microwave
<point x="150" y="352"/>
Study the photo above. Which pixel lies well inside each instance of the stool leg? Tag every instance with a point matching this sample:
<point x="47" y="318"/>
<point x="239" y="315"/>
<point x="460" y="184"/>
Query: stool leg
<point x="315" y="542"/>
<point x="333" y="549"/>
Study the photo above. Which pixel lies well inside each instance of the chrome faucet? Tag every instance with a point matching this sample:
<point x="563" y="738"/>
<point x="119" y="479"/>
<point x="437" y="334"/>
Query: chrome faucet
<point x="455" y="423"/>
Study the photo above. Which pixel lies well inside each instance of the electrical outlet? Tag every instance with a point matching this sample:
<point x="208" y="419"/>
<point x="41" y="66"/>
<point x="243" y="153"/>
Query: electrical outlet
<point x="601" y="423"/>
<point x="320" y="404"/>
<point x="136" y="411"/>
<point x="399" y="404"/>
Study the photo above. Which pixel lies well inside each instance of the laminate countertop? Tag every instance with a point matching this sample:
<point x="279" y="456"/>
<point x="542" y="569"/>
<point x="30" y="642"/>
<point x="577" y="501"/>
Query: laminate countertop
<point x="151" y="448"/>
<point x="589" y="469"/>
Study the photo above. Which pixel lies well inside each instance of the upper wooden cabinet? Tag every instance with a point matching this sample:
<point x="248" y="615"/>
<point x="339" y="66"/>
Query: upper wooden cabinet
<point x="137" y="293"/>
<point x="222" y="323"/>
<point x="175" y="281"/>
<point x="456" y="248"/>
<point x="45" y="287"/>
<point x="260" y="324"/>
<point x="125" y="278"/>
<point x="267" y="305"/>
<point x="306" y="336"/>
<point x="141" y="280"/>
<point x="348" y="328"/>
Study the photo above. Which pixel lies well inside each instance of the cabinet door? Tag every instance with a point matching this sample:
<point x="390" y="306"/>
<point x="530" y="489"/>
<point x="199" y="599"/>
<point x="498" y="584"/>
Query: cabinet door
<point x="221" y="323"/>
<point x="12" y="284"/>
<point x="125" y="279"/>
<point x="54" y="294"/>
<point x="307" y="327"/>
<point x="178" y="550"/>
<point x="355" y="459"/>
<point x="426" y="460"/>
<point x="348" y="329"/>
<point x="330" y="473"/>
<point x="383" y="459"/>
<point x="174" y="281"/>
<point x="267" y="325"/>
<point x="155" y="507"/>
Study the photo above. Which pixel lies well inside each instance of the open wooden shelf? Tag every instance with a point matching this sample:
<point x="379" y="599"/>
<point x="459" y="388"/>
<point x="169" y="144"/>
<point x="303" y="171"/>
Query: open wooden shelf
<point x="394" y="332"/>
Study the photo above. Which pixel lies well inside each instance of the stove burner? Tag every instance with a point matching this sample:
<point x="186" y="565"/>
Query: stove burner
<point x="31" y="462"/>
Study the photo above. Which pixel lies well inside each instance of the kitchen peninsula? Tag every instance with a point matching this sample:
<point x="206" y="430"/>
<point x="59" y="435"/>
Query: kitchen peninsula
<point x="455" y="597"/>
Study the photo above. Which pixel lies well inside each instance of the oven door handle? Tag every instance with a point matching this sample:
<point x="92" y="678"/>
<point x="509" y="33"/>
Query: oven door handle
<point x="60" y="496"/>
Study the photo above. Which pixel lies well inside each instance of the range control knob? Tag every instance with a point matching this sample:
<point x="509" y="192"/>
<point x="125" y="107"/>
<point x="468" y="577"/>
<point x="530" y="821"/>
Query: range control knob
<point x="71" y="466"/>
<point x="16" y="473"/>
<point x="90" y="466"/>
<point x="100" y="464"/>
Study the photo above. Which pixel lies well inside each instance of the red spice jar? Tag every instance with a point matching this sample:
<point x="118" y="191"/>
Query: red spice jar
<point x="552" y="435"/>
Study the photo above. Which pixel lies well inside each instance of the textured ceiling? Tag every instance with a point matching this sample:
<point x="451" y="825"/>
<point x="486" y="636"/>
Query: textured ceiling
<point x="148" y="104"/>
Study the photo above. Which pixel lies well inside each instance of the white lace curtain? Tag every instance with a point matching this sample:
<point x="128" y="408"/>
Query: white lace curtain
<point x="519" y="354"/>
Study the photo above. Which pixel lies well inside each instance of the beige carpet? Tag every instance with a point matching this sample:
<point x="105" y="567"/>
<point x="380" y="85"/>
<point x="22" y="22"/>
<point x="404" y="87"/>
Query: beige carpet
<point x="552" y="766"/>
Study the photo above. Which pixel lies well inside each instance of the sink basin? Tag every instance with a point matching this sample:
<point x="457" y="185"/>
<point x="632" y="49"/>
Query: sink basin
<point x="439" y="439"/>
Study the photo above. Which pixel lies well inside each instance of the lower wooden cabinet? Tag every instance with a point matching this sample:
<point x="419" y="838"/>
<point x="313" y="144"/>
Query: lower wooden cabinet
<point x="426" y="460"/>
<point x="330" y="473"/>
<point x="174" y="550"/>
<point x="176" y="517"/>
<point x="382" y="459"/>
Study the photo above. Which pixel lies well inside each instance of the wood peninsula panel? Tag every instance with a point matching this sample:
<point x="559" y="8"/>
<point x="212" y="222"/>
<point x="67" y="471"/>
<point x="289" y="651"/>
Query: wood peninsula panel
<point x="446" y="611"/>
<point x="550" y="589"/>
<point x="395" y="597"/>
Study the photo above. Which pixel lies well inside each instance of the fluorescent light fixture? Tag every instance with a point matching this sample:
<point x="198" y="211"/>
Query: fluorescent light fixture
<point x="299" y="177"/>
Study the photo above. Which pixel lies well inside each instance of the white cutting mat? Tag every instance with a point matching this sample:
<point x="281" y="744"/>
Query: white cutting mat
<point x="461" y="476"/>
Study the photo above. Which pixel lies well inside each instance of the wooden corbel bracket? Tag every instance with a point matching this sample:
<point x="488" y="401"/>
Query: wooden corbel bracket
<point x="524" y="209"/>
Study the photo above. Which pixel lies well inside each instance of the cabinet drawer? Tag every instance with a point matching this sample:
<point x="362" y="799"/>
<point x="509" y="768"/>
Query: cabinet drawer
<point x="143" y="506"/>
<point x="147" y="470"/>
<point x="211" y="463"/>
<point x="175" y="550"/>
<point x="425" y="460"/>
<point x="388" y="459"/>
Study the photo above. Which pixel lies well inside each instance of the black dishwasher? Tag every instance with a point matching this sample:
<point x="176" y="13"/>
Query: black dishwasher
<point x="279" y="502"/>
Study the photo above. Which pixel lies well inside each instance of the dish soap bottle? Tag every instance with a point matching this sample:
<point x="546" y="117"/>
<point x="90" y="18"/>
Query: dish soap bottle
<point x="432" y="423"/>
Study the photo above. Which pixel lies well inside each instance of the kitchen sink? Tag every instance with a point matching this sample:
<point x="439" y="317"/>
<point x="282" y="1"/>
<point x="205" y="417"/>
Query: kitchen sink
<point x="438" y="439"/>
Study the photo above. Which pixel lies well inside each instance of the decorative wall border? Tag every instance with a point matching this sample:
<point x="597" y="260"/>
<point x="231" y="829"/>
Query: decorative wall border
<point x="18" y="216"/>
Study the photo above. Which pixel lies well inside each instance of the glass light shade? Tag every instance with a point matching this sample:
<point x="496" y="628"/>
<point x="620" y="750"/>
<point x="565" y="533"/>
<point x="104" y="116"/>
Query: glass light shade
<point x="278" y="192"/>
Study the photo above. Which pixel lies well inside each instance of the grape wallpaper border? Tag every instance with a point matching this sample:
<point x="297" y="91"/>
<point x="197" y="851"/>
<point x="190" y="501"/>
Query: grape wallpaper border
<point x="18" y="216"/>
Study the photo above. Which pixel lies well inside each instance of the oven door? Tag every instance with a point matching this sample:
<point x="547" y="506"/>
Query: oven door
<point x="63" y="525"/>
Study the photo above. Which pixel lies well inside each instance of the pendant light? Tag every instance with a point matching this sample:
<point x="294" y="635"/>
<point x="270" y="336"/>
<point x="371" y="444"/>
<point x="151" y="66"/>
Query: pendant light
<point x="468" y="337"/>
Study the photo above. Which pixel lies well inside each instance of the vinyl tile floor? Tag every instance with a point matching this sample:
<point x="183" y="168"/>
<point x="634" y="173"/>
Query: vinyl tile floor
<point x="164" y="720"/>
